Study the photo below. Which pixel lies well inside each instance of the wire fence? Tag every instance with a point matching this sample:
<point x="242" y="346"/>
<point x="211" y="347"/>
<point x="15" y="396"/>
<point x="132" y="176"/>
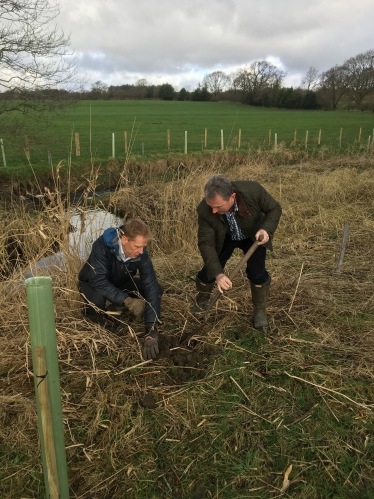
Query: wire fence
<point x="85" y="146"/>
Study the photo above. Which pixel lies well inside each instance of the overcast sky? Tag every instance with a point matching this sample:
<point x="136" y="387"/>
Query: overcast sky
<point x="178" y="42"/>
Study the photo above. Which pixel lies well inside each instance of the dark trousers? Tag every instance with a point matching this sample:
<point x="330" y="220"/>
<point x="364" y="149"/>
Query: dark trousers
<point x="255" y="270"/>
<point x="133" y="287"/>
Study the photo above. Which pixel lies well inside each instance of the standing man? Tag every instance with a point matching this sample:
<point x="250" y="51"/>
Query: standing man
<point x="234" y="215"/>
<point x="109" y="274"/>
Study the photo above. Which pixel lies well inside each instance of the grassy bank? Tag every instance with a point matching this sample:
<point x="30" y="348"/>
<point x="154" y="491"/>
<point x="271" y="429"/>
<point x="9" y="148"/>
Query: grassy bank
<point x="235" y="409"/>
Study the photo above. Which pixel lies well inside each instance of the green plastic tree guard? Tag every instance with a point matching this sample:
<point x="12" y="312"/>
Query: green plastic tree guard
<point x="43" y="334"/>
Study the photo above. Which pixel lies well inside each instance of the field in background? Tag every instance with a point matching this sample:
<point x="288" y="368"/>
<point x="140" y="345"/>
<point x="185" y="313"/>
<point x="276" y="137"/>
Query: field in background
<point x="147" y="122"/>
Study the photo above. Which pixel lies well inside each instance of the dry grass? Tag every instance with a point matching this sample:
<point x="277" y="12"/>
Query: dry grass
<point x="231" y="414"/>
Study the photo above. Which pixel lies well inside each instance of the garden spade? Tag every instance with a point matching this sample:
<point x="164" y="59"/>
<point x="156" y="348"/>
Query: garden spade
<point x="186" y="337"/>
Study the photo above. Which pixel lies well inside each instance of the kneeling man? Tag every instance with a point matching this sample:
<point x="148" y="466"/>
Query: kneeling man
<point x="110" y="274"/>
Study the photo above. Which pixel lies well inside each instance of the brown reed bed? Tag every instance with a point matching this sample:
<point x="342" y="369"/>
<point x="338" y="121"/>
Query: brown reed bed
<point x="226" y="416"/>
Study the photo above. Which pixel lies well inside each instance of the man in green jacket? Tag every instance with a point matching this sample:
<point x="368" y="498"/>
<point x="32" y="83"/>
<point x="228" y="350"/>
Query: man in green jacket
<point x="234" y="215"/>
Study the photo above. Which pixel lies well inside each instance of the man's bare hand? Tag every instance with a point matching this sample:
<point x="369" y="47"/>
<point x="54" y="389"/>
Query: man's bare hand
<point x="264" y="234"/>
<point x="223" y="283"/>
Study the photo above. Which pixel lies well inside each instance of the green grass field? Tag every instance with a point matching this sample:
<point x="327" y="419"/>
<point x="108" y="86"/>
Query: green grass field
<point x="147" y="122"/>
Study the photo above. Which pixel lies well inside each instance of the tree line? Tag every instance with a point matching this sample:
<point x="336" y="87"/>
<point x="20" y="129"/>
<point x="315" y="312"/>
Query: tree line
<point x="261" y="84"/>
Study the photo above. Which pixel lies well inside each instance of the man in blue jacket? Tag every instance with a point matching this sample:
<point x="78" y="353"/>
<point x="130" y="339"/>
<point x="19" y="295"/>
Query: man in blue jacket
<point x="110" y="274"/>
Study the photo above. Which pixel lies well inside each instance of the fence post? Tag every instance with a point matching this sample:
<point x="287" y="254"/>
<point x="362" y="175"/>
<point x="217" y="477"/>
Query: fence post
<point x="77" y="145"/>
<point x="185" y="142"/>
<point x="3" y="152"/>
<point x="275" y="142"/>
<point x="319" y="136"/>
<point x="359" y="135"/>
<point x="27" y="150"/>
<point x="294" y="137"/>
<point x="306" y="139"/>
<point x="47" y="381"/>
<point x="340" y="137"/>
<point x="113" y="145"/>
<point x="205" y="138"/>
<point x="239" y="138"/>
<point x="269" y="139"/>
<point x="168" y="137"/>
<point x="125" y="141"/>
<point x="222" y="146"/>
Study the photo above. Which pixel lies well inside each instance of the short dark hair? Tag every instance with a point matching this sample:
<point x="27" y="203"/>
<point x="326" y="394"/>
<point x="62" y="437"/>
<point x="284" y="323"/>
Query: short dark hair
<point x="135" y="227"/>
<point x="218" y="184"/>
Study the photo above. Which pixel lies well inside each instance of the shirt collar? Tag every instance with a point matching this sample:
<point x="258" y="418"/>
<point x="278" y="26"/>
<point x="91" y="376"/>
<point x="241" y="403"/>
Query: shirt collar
<point x="121" y="255"/>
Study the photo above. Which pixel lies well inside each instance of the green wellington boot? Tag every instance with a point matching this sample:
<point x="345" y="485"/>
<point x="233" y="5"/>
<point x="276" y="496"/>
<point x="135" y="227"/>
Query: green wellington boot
<point x="260" y="294"/>
<point x="204" y="290"/>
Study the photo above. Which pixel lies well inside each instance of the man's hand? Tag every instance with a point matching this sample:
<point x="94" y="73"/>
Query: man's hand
<point x="135" y="305"/>
<point x="223" y="283"/>
<point x="264" y="234"/>
<point x="150" y="346"/>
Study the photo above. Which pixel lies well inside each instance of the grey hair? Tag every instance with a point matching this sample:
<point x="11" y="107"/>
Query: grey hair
<point x="218" y="184"/>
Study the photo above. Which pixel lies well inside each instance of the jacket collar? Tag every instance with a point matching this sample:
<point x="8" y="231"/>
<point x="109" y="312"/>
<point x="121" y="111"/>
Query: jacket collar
<point x="242" y="207"/>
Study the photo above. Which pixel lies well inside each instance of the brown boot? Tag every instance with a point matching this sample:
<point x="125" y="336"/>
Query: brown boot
<point x="260" y="294"/>
<point x="204" y="290"/>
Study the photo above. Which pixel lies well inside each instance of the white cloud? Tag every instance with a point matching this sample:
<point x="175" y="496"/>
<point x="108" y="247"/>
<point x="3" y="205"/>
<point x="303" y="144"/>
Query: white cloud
<point x="178" y="42"/>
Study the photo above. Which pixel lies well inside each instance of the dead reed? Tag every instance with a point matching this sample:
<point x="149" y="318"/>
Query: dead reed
<point x="236" y="410"/>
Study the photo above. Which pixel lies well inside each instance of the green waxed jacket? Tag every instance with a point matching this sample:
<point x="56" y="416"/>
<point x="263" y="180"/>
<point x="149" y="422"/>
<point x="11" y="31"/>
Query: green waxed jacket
<point x="257" y="210"/>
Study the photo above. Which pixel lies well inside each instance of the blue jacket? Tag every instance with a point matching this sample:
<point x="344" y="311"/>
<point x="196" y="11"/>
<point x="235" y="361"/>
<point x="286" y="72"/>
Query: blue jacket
<point x="108" y="275"/>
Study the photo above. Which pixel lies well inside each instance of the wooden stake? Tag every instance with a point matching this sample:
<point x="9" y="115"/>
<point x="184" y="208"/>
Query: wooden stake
<point x="46" y="422"/>
<point x="168" y="137"/>
<point x="239" y="138"/>
<point x="77" y="145"/>
<point x="269" y="139"/>
<point x="340" y="137"/>
<point x="306" y="139"/>
<point x="319" y="136"/>
<point x="359" y="135"/>
<point x="294" y="137"/>
<point x="205" y="138"/>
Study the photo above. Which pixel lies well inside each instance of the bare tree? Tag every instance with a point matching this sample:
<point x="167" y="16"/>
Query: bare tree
<point x="141" y="88"/>
<point x="36" y="66"/>
<point x="99" y="90"/>
<point x="311" y="80"/>
<point x="216" y="83"/>
<point x="258" y="76"/>
<point x="358" y="76"/>
<point x="332" y="86"/>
